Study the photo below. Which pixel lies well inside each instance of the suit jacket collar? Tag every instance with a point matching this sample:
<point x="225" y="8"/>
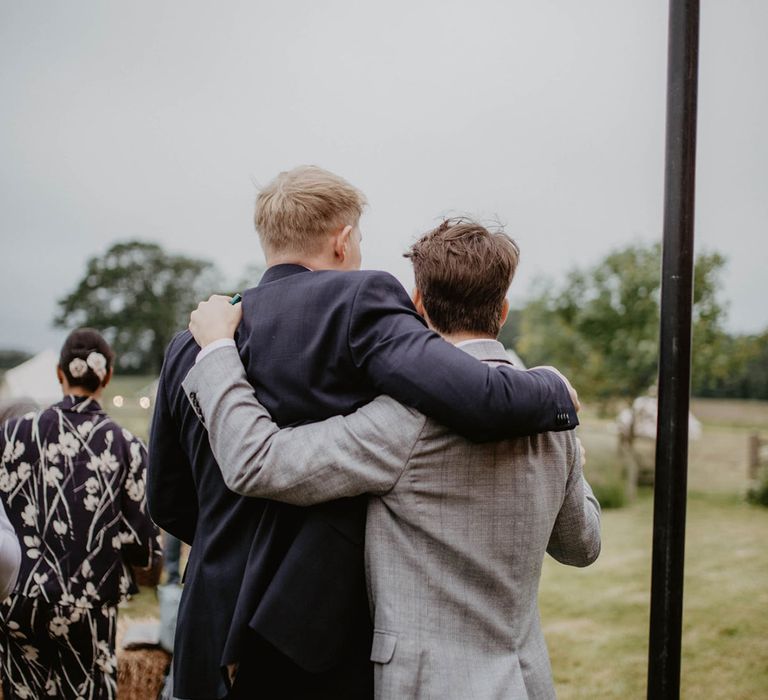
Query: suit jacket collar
<point x="487" y="351"/>
<point x="278" y="272"/>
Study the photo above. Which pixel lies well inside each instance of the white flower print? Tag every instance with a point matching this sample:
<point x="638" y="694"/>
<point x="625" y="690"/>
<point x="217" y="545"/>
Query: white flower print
<point x="136" y="456"/>
<point x="127" y="435"/>
<point x="109" y="462"/>
<point x="24" y="471"/>
<point x="126" y="537"/>
<point x="72" y="471"/>
<point x="83" y="602"/>
<point x="8" y="481"/>
<point x="14" y="629"/>
<point x="85" y="428"/>
<point x="89" y="594"/>
<point x="29" y="515"/>
<point x="90" y="502"/>
<point x="90" y="590"/>
<point x="13" y="450"/>
<point x="32" y="542"/>
<point x="30" y="652"/>
<point x="135" y="490"/>
<point x="53" y="475"/>
<point x="50" y="688"/>
<point x="52" y="453"/>
<point x="105" y="462"/>
<point x="22" y="691"/>
<point x="86" y="569"/>
<point x="105" y="660"/>
<point x="68" y="444"/>
<point x="59" y="626"/>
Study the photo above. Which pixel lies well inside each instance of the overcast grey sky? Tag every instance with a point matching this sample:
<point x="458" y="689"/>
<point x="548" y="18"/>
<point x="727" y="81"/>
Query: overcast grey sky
<point x="158" y="121"/>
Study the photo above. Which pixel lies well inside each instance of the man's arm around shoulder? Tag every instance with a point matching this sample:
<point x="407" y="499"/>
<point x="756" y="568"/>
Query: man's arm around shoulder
<point x="391" y="343"/>
<point x="365" y="452"/>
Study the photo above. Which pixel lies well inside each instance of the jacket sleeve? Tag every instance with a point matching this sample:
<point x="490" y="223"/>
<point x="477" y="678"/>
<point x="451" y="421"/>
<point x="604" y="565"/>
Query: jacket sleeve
<point x="138" y="534"/>
<point x="365" y="452"/>
<point x="575" y="538"/>
<point x="171" y="492"/>
<point x="391" y="343"/>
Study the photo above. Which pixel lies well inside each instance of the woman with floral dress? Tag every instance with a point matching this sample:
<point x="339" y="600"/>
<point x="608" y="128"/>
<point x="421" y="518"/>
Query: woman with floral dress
<point x="73" y="484"/>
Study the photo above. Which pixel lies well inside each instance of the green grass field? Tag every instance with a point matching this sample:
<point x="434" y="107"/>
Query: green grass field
<point x="596" y="619"/>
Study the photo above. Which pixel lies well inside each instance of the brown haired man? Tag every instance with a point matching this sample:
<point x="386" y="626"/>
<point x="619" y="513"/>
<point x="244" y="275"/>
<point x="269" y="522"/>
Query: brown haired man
<point x="462" y="272"/>
<point x="318" y="338"/>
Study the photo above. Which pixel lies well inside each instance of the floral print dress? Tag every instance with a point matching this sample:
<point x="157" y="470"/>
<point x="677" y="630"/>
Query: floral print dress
<point x="73" y="484"/>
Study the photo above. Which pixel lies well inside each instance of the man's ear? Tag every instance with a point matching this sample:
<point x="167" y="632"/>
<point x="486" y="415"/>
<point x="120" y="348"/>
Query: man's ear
<point x="418" y="302"/>
<point x="504" y="312"/>
<point x="341" y="242"/>
<point x="107" y="377"/>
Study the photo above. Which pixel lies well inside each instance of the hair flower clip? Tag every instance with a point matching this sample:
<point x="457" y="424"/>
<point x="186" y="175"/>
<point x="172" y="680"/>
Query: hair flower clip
<point x="98" y="363"/>
<point x="78" y="368"/>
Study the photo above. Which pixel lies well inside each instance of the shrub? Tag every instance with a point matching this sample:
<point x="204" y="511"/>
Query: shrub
<point x="758" y="491"/>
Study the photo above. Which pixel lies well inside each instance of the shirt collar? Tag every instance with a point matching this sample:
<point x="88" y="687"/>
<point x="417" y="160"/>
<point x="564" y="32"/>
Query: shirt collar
<point x="485" y="349"/>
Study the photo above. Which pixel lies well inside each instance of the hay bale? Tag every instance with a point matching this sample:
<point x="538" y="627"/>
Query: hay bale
<point x="140" y="673"/>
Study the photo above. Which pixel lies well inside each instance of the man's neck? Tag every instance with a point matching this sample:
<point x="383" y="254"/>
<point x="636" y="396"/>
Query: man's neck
<point x="310" y="262"/>
<point x="464" y="336"/>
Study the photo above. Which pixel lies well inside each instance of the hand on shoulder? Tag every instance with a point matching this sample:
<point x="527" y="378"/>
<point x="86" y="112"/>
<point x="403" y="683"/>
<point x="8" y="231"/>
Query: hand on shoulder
<point x="215" y="319"/>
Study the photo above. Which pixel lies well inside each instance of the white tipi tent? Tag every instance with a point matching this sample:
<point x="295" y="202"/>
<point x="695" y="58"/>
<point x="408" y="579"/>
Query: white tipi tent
<point x="33" y="379"/>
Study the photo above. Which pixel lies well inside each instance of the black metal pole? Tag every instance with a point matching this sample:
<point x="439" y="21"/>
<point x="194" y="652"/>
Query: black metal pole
<point x="674" y="354"/>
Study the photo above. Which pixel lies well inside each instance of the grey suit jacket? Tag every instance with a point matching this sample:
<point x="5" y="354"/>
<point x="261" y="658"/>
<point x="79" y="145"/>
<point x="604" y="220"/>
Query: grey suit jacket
<point x="456" y="533"/>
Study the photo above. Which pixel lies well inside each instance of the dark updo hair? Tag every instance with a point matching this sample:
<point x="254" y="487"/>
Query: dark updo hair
<point x="79" y="344"/>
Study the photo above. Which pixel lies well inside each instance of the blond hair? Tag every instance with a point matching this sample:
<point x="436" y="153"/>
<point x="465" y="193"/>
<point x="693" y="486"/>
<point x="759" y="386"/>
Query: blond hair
<point x="300" y="207"/>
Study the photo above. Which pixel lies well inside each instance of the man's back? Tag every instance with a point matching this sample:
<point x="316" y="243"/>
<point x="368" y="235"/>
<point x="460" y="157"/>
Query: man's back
<point x="310" y="605"/>
<point x="313" y="345"/>
<point x="455" y="541"/>
<point x="454" y="553"/>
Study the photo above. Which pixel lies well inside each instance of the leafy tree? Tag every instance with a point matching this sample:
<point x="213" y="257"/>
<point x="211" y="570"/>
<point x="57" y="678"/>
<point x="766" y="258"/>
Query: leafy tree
<point x="602" y="325"/>
<point x="739" y="371"/>
<point x="510" y="331"/>
<point x="138" y="296"/>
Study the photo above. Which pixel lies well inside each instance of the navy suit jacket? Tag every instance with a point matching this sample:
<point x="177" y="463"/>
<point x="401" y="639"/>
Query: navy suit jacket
<point x="314" y="345"/>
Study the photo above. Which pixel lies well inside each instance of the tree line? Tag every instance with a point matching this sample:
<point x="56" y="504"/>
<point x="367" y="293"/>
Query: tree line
<point x="599" y="324"/>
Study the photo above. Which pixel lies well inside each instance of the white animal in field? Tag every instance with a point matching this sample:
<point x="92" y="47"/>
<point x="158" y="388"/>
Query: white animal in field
<point x="640" y="420"/>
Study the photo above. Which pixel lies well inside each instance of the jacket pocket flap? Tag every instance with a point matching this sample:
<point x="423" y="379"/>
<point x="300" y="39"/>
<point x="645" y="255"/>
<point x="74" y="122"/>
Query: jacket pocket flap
<point x="383" y="648"/>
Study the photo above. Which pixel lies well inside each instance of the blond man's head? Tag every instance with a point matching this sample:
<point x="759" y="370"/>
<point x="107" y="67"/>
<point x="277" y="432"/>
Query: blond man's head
<point x="300" y="208"/>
